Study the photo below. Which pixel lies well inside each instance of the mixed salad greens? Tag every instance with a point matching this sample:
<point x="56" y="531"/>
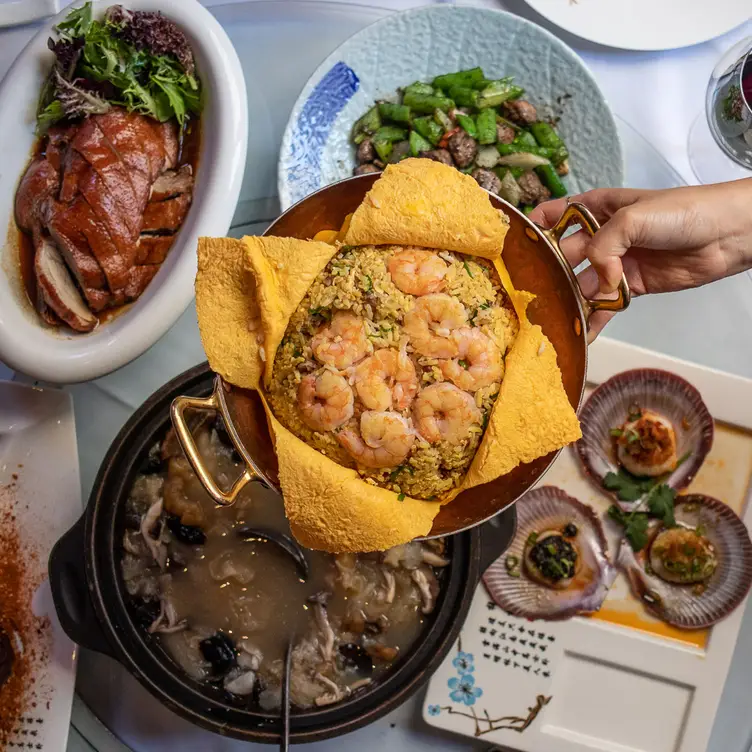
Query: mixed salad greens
<point x="481" y="126"/>
<point x="138" y="60"/>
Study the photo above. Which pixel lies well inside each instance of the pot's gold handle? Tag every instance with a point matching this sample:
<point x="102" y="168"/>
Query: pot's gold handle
<point x="185" y="437"/>
<point x="579" y="214"/>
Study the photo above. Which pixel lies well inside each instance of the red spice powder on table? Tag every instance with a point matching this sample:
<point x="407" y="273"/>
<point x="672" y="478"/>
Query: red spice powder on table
<point x="23" y="636"/>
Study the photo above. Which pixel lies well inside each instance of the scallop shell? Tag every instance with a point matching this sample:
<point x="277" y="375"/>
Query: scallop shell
<point x="549" y="508"/>
<point x="681" y="605"/>
<point x="660" y="391"/>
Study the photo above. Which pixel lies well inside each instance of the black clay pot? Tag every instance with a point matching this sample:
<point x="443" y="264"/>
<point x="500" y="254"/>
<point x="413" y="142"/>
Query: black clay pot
<point x="93" y="605"/>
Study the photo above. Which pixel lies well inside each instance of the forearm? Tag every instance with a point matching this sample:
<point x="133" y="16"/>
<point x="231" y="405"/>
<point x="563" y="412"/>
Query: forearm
<point x="734" y="206"/>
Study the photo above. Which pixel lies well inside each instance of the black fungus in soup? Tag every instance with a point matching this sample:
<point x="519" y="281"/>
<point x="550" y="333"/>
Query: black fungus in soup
<point x="223" y="608"/>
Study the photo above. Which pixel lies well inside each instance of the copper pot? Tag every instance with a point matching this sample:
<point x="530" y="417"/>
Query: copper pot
<point x="535" y="262"/>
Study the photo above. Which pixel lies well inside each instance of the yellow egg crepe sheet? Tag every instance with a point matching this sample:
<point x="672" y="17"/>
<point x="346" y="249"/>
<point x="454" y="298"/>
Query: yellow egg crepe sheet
<point x="425" y="203"/>
<point x="284" y="269"/>
<point x="329" y="506"/>
<point x="227" y="308"/>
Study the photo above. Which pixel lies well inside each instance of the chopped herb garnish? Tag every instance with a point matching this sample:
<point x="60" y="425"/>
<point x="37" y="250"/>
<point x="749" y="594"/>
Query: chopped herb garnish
<point x="296" y="352"/>
<point x="464" y="364"/>
<point x="323" y="313"/>
<point x="397" y="470"/>
<point x="370" y="284"/>
<point x="401" y="497"/>
<point x="532" y="538"/>
<point x="627" y="486"/>
<point x="700" y="530"/>
<point x="661" y="504"/>
<point x="467" y="268"/>
<point x="512" y="565"/>
<point x="484" y="305"/>
<point x="632" y="436"/>
<point x="635" y="526"/>
<point x="616" y="432"/>
<point x="635" y="413"/>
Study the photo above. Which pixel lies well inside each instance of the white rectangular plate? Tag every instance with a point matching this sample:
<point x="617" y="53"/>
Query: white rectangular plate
<point x="39" y="480"/>
<point x="620" y="681"/>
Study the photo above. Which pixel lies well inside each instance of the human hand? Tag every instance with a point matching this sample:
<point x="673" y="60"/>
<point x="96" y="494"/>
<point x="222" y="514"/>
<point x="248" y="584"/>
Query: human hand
<point x="663" y="241"/>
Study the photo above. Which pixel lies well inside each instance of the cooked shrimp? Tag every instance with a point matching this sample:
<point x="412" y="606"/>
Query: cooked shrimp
<point x="325" y="400"/>
<point x="385" y="439"/>
<point x="430" y="323"/>
<point x="417" y="272"/>
<point x="342" y="342"/>
<point x="386" y="380"/>
<point x="478" y="361"/>
<point x="442" y="411"/>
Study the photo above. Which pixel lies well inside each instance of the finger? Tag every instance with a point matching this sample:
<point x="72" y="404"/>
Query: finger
<point x="547" y="214"/>
<point x="611" y="243"/>
<point x="590" y="285"/>
<point x="597" y="323"/>
<point x="602" y="202"/>
<point x="574" y="247"/>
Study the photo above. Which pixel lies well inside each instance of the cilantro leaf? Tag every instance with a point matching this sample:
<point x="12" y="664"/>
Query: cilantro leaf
<point x="627" y="487"/>
<point x="635" y="526"/>
<point x="617" y="514"/>
<point x="636" y="531"/>
<point x="661" y="504"/>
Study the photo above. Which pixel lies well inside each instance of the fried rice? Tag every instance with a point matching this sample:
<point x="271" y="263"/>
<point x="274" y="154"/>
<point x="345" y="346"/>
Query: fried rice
<point x="358" y="280"/>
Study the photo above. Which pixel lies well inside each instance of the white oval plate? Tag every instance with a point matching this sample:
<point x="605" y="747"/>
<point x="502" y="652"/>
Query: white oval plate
<point x="420" y="44"/>
<point x="644" y="24"/>
<point x="60" y="356"/>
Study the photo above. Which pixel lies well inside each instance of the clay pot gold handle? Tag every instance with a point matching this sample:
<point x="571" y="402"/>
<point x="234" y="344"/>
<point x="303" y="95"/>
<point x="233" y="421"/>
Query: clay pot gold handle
<point x="579" y="214"/>
<point x="185" y="437"/>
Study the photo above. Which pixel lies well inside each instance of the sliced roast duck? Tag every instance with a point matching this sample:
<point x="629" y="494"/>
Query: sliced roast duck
<point x="102" y="203"/>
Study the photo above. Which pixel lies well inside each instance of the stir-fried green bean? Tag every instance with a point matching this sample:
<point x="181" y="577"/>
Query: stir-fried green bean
<point x="418" y="144"/>
<point x="397" y="113"/>
<point x="464" y="96"/>
<point x="468" y="119"/>
<point x="486" y="125"/>
<point x="429" y="129"/>
<point x="426" y="103"/>
<point x="390" y="133"/>
<point x="367" y="125"/>
<point x="461" y="78"/>
<point x="513" y="148"/>
<point x="549" y="178"/>
<point x="498" y="92"/>
<point x="467" y="123"/>
<point x="383" y="148"/>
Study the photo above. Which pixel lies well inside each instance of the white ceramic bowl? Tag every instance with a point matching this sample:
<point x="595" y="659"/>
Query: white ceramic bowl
<point x="420" y="44"/>
<point x="62" y="356"/>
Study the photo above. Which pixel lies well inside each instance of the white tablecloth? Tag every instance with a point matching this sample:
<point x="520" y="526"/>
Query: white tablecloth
<point x="660" y="94"/>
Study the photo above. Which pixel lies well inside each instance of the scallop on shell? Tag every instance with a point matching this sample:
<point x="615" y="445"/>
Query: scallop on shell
<point x="662" y="395"/>
<point x="695" y="605"/>
<point x="515" y="583"/>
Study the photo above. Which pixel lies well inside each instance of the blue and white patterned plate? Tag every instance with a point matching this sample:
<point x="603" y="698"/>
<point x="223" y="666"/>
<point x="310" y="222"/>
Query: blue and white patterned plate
<point x="420" y="44"/>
